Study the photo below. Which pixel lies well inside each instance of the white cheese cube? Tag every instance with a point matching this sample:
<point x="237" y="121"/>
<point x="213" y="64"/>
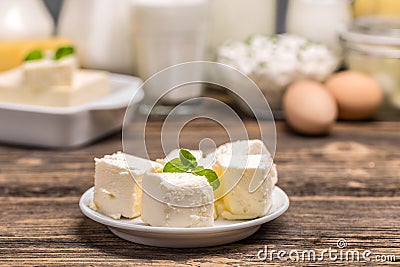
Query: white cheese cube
<point x="236" y="176"/>
<point x="117" y="190"/>
<point x="177" y="200"/>
<point x="41" y="75"/>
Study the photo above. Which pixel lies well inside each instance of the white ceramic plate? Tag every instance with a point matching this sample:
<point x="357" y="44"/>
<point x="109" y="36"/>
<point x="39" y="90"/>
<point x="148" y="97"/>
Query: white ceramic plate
<point x="69" y="126"/>
<point x="222" y="232"/>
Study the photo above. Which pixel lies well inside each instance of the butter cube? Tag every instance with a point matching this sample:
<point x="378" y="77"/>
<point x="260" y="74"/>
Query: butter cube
<point x="177" y="200"/>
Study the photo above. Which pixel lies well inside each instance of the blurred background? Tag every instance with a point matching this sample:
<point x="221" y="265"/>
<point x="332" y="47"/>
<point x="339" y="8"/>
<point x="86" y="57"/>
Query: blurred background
<point x="315" y="61"/>
<point x="54" y="7"/>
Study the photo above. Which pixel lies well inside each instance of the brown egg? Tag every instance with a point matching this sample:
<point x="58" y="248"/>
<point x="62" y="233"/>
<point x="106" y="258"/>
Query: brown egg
<point x="358" y="96"/>
<point x="309" y="107"/>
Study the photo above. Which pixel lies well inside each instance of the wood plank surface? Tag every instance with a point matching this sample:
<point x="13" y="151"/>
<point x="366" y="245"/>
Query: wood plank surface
<point x="345" y="185"/>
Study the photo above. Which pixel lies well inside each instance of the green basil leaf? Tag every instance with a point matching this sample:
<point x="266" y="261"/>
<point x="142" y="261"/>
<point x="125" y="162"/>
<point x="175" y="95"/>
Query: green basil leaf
<point x="197" y="169"/>
<point x="187" y="159"/>
<point x="188" y="163"/>
<point x="211" y="176"/>
<point x="64" y="51"/>
<point x="34" y="55"/>
<point x="175" y="165"/>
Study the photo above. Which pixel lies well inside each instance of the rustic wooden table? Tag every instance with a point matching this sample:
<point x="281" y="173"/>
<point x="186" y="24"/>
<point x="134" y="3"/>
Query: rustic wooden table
<point x="342" y="186"/>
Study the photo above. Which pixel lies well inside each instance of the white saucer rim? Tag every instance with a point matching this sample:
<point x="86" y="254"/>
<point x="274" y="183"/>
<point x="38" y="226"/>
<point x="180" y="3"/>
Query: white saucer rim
<point x="103" y="219"/>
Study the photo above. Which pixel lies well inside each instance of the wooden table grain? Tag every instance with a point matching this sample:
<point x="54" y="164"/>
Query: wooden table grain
<point x="342" y="186"/>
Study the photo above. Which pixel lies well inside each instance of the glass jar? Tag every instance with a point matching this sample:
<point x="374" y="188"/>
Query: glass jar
<point x="372" y="46"/>
<point x="169" y="33"/>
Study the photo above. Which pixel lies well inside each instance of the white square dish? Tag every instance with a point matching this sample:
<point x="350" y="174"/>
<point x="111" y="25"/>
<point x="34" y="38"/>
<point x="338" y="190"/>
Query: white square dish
<point x="63" y="127"/>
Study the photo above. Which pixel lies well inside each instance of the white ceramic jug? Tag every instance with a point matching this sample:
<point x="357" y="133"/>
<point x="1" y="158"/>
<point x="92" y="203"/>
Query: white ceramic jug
<point x="101" y="30"/>
<point x="23" y="19"/>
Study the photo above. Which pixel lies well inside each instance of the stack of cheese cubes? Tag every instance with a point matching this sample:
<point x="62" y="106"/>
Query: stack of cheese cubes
<point x="127" y="186"/>
<point x="57" y="83"/>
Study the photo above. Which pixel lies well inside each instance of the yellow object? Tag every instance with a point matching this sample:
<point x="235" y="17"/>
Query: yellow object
<point x="376" y="7"/>
<point x="12" y="53"/>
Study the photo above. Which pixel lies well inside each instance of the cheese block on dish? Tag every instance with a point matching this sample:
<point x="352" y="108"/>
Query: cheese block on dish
<point x="117" y="189"/>
<point x="41" y="75"/>
<point x="87" y="86"/>
<point x="10" y="84"/>
<point x="177" y="200"/>
<point x="242" y="166"/>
